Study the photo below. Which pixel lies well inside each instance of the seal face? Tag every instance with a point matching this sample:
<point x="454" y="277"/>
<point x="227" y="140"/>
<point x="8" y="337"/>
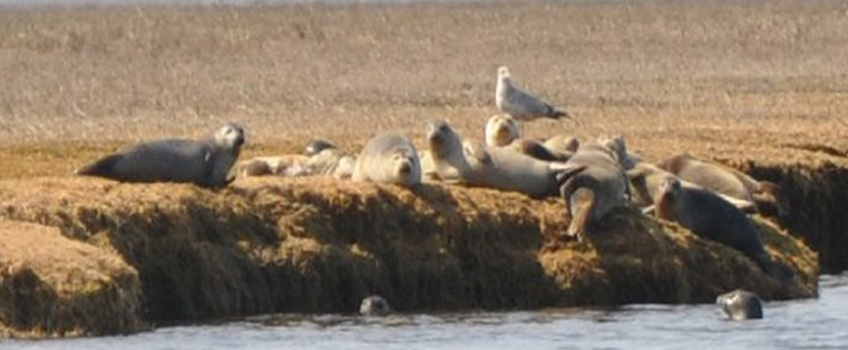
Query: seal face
<point x="501" y="130"/>
<point x="740" y="305"/>
<point x="374" y="305"/>
<point x="520" y="104"/>
<point x="388" y="158"/>
<point x="205" y="163"/>
<point x="709" y="216"/>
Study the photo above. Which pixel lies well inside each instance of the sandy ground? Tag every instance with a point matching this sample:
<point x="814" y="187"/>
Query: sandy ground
<point x="730" y="80"/>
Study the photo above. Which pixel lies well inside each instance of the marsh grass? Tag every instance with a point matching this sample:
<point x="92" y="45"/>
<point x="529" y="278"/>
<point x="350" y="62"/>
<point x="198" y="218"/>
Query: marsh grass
<point x="725" y="78"/>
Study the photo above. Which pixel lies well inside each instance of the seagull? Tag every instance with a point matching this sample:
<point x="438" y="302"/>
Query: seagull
<point x="520" y="104"/>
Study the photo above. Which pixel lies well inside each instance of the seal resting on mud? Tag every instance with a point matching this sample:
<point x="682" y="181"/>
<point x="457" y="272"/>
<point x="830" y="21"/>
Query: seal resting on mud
<point x="537" y="150"/>
<point x="520" y="104"/>
<point x="709" y="216"/>
<point x="645" y="180"/>
<point x="474" y="165"/>
<point x="388" y="158"/>
<point x="562" y="143"/>
<point x="205" y="162"/>
<point x="740" y="305"/>
<point x="374" y="305"/>
<point x="619" y="149"/>
<point x="501" y="130"/>
<point x="593" y="191"/>
<point x="724" y="180"/>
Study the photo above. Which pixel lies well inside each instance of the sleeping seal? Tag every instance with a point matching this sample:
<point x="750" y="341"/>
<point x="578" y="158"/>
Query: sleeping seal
<point x="388" y="158"/>
<point x="205" y="163"/>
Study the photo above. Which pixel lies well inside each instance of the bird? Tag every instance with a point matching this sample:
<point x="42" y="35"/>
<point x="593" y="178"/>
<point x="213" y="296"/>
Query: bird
<point x="520" y="104"/>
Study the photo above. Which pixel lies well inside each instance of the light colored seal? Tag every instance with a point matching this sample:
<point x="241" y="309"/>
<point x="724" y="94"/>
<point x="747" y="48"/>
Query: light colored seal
<point x="646" y="179"/>
<point x="595" y="190"/>
<point x="740" y="305"/>
<point x="285" y="165"/>
<point x="205" y="162"/>
<point x="388" y="158"/>
<point x="520" y="104"/>
<point x="331" y="162"/>
<point x="374" y="305"/>
<point x="473" y="164"/>
<point x="562" y="143"/>
<point x="502" y="130"/>
<point x="707" y="215"/>
<point x="619" y="148"/>
<point x="539" y="151"/>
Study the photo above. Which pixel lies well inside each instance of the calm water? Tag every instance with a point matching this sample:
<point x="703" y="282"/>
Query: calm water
<point x="807" y="324"/>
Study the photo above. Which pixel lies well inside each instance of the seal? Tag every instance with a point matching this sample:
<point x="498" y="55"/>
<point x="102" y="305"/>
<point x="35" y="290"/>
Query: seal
<point x="331" y="162"/>
<point x="285" y="165"/>
<point x="473" y="164"/>
<point x="728" y="181"/>
<point x="595" y="190"/>
<point x="562" y="143"/>
<point x="520" y="104"/>
<point x="645" y="180"/>
<point x="388" y="158"/>
<point x="539" y="151"/>
<point x="316" y="146"/>
<point x="501" y="130"/>
<point x="709" y="216"/>
<point x="374" y="305"/>
<point x="740" y="305"/>
<point x="619" y="148"/>
<point x="205" y="163"/>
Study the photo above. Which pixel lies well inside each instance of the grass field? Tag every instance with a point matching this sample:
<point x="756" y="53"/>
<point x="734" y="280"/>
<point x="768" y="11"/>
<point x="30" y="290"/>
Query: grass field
<point x="732" y="80"/>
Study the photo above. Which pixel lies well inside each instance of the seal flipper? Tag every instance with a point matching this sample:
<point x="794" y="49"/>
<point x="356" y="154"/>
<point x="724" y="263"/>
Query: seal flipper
<point x="103" y="167"/>
<point x="581" y="204"/>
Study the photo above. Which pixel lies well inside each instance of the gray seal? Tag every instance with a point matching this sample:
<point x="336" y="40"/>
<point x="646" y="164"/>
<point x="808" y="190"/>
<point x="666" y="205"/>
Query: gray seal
<point x="374" y="305"/>
<point x="740" y="305"/>
<point x="388" y="158"/>
<point x="205" y="163"/>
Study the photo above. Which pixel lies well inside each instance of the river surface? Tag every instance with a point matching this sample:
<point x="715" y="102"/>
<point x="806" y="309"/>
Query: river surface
<point x="802" y="324"/>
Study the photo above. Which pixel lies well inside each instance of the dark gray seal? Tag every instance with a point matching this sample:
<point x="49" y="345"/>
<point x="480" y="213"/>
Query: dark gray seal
<point x="740" y="305"/>
<point x="205" y="163"/>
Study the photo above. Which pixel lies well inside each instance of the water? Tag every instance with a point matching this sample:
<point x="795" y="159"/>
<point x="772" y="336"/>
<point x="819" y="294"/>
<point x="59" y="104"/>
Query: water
<point x="803" y="324"/>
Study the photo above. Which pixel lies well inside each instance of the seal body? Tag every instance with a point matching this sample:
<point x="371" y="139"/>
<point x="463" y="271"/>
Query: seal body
<point x="374" y="305"/>
<point x="709" y="216"/>
<point x="205" y="163"/>
<point x="473" y="164"/>
<point x="740" y="305"/>
<point x="538" y="150"/>
<point x="646" y="179"/>
<point x="619" y="150"/>
<point x="388" y="158"/>
<point x="599" y="186"/>
<point x="562" y="143"/>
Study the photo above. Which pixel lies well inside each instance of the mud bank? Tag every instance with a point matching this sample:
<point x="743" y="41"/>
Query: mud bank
<point x="320" y="245"/>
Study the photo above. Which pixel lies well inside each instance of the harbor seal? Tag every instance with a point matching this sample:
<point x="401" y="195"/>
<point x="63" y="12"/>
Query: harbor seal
<point x="388" y="158"/>
<point x="539" y="151"/>
<point x="374" y="305"/>
<point x="595" y="190"/>
<point x="645" y="180"/>
<point x="285" y="165"/>
<point x="316" y="146"/>
<point x="502" y="130"/>
<point x="562" y="143"/>
<point x="205" y="163"/>
<point x="707" y="215"/>
<point x="473" y="164"/>
<point x="740" y="305"/>
<point x="619" y="148"/>
<point x="520" y="104"/>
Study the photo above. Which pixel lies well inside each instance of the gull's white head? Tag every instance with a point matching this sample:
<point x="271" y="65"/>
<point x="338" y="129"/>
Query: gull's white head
<point x="503" y="72"/>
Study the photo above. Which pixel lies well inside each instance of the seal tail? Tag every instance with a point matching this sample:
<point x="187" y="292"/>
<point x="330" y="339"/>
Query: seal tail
<point x="581" y="205"/>
<point x="103" y="167"/>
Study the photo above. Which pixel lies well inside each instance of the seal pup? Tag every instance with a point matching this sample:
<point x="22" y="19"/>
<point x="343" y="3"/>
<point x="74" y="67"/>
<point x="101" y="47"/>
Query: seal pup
<point x="520" y="104"/>
<point x="501" y="130"/>
<point x="709" y="216"/>
<point x="473" y="164"/>
<point x="645" y="180"/>
<point x="388" y="158"/>
<point x="205" y="163"/>
<point x="740" y="305"/>
<point x="374" y="305"/>
<point x="595" y="190"/>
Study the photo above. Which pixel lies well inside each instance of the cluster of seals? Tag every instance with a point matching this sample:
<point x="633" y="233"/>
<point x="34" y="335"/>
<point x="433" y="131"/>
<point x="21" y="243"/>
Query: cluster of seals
<point x="388" y="158"/>
<point x="598" y="186"/>
<point x="740" y="305"/>
<point x="205" y="163"/>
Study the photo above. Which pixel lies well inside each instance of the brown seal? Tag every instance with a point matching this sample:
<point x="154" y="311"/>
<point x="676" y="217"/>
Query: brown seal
<point x="388" y="158"/>
<point x="205" y="162"/>
<point x="598" y="187"/>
